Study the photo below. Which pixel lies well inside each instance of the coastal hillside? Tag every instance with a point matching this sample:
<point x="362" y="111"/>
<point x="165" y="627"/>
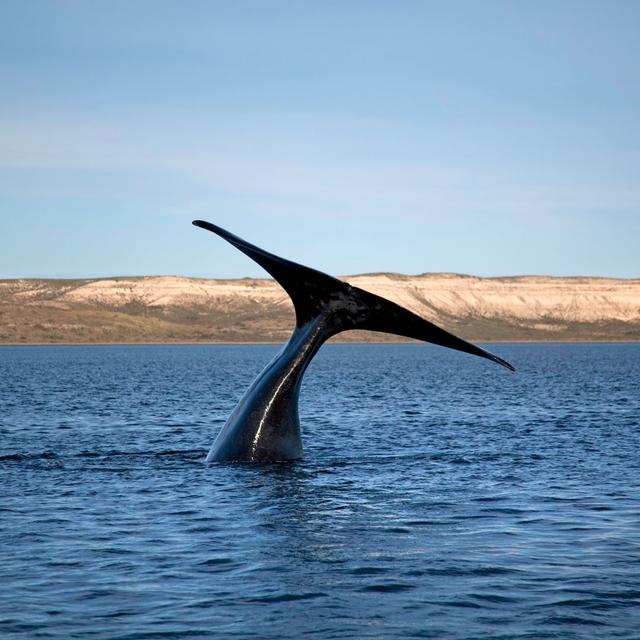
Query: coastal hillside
<point x="175" y="309"/>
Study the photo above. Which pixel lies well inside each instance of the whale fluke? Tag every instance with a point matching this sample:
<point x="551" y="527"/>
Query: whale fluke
<point x="265" y="425"/>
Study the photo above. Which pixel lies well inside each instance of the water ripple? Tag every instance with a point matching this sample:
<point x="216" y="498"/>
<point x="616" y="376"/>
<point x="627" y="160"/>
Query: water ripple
<point x="439" y="497"/>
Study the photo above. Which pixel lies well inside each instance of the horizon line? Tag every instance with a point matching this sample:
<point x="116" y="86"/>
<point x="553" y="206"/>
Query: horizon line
<point x="353" y="275"/>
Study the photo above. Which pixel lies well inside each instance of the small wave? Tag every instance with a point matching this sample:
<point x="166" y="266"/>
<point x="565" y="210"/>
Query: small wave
<point x="51" y="455"/>
<point x="367" y="571"/>
<point x="158" y="454"/>
<point x="476" y="571"/>
<point x="287" y="597"/>
<point x="391" y="587"/>
<point x="462" y="604"/>
<point x="580" y="620"/>
<point x="210" y="562"/>
<point x="591" y="604"/>
<point x="490" y="499"/>
<point x="20" y="457"/>
<point x="507" y="511"/>
<point x="494" y="598"/>
<point x="426" y="523"/>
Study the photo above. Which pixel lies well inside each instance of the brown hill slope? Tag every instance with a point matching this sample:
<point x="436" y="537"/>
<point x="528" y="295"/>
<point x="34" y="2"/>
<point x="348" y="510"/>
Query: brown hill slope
<point x="173" y="309"/>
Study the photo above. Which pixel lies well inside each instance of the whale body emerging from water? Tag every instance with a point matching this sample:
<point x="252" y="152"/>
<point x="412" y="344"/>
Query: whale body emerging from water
<point x="264" y="426"/>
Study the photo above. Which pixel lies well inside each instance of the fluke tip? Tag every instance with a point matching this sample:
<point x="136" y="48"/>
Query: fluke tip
<point x="504" y="363"/>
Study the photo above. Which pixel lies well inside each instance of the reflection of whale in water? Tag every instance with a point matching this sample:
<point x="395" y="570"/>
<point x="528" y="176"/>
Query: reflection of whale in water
<point x="265" y="426"/>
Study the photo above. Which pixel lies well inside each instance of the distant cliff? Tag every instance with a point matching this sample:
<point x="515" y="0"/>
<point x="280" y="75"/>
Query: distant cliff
<point x="173" y="309"/>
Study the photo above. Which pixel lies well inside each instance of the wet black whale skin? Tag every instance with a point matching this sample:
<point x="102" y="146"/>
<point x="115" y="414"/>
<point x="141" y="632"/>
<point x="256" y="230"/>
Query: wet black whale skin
<point x="264" y="426"/>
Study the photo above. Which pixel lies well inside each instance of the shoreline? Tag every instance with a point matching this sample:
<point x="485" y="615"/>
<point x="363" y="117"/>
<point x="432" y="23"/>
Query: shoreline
<point x="256" y="343"/>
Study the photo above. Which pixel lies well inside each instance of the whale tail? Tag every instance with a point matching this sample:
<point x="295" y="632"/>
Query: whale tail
<point x="341" y="306"/>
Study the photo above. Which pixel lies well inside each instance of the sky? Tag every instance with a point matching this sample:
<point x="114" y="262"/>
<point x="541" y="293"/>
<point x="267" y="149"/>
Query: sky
<point x="488" y="138"/>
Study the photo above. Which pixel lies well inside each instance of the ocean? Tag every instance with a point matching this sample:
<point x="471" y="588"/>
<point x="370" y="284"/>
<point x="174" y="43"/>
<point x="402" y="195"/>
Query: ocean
<point x="441" y="496"/>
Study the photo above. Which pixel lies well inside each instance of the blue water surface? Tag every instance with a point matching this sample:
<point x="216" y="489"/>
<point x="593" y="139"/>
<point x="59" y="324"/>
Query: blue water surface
<point x="441" y="496"/>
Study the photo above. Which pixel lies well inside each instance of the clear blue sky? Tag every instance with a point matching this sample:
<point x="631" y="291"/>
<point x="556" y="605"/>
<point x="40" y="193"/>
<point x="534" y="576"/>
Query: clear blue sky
<point x="491" y="138"/>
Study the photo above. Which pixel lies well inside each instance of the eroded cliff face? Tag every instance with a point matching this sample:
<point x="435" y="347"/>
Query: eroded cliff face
<point x="168" y="308"/>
